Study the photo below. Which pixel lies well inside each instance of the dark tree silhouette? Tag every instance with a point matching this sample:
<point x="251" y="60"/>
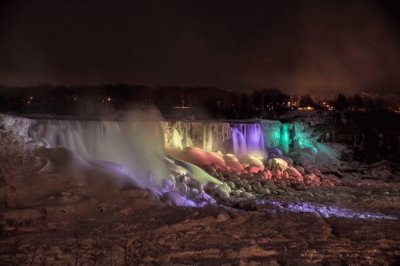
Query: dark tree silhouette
<point x="340" y="103"/>
<point x="306" y="100"/>
<point x="359" y="101"/>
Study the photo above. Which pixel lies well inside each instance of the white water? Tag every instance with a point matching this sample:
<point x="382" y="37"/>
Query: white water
<point x="137" y="145"/>
<point x="248" y="138"/>
<point x="210" y="136"/>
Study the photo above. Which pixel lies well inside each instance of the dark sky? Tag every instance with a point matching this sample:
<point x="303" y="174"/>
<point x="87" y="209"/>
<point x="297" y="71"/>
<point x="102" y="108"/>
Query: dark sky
<point x="317" y="47"/>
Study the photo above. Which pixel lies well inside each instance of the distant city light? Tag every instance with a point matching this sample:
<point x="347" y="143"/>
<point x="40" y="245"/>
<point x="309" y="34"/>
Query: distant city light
<point x="307" y="108"/>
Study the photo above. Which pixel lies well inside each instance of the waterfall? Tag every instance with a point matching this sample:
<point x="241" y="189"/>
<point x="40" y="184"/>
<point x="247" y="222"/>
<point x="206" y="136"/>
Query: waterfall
<point x="93" y="139"/>
<point x="297" y="138"/>
<point x="139" y="144"/>
<point x="285" y="139"/>
<point x="272" y="132"/>
<point x="86" y="138"/>
<point x="136" y="145"/>
<point x="237" y="138"/>
<point x="210" y="136"/>
<point x="248" y="138"/>
<point x="239" y="142"/>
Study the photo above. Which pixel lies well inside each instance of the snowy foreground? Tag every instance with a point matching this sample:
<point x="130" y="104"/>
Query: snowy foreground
<point x="47" y="217"/>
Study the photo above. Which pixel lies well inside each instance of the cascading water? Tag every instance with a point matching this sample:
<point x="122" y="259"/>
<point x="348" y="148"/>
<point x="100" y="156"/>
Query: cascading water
<point x="285" y="139"/>
<point x="210" y="136"/>
<point x="136" y="145"/>
<point x="298" y="140"/>
<point x="272" y="132"/>
<point x="239" y="142"/>
<point x="237" y="138"/>
<point x="86" y="138"/>
<point x="99" y="140"/>
<point x="247" y="138"/>
<point x="107" y="140"/>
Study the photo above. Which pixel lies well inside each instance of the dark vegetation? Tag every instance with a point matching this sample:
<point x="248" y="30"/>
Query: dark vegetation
<point x="173" y="102"/>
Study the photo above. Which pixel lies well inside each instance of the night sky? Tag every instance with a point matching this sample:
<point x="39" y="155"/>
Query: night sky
<point x="316" y="47"/>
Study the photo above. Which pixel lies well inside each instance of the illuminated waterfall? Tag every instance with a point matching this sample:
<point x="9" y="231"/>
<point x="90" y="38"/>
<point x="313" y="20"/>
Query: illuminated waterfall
<point x="210" y="136"/>
<point x="239" y="142"/>
<point x="237" y="138"/>
<point x="137" y="145"/>
<point x="278" y="135"/>
<point x="115" y="140"/>
<point x="285" y="139"/>
<point x="272" y="132"/>
<point x="247" y="138"/>
<point x="298" y="138"/>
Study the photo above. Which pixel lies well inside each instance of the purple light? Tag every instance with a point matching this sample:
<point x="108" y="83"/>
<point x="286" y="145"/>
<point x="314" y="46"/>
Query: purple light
<point x="326" y="211"/>
<point x="247" y="137"/>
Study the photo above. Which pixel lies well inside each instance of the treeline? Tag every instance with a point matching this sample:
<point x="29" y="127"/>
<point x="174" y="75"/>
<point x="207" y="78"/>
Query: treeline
<point x="173" y="102"/>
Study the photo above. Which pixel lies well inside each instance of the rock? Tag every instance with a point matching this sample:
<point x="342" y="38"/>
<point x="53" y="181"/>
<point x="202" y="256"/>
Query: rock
<point x="256" y="185"/>
<point x="249" y="205"/>
<point x="300" y="169"/>
<point x="295" y="173"/>
<point x="222" y="217"/>
<point x="317" y="171"/>
<point x="246" y="175"/>
<point x="337" y="173"/>
<point x="132" y="192"/>
<point x="247" y="195"/>
<point x="236" y="193"/>
<point x="167" y="185"/>
<point x="274" y="153"/>
<point x="223" y="190"/>
<point x="203" y="199"/>
<point x="277" y="174"/>
<point x="247" y="187"/>
<point x="266" y="191"/>
<point x="232" y="162"/>
<point x="174" y="198"/>
<point x="254" y="169"/>
<point x="20" y="218"/>
<point x="288" y="160"/>
<point x="277" y="164"/>
<point x="267" y="174"/>
<point x="126" y="211"/>
<point x="252" y="161"/>
<point x="231" y="184"/>
<point x="148" y="259"/>
<point x="255" y="251"/>
<point x="202" y="158"/>
<point x="285" y="175"/>
<point x="56" y="252"/>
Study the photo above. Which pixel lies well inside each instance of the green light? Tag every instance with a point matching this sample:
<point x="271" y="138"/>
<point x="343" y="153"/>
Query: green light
<point x="285" y="139"/>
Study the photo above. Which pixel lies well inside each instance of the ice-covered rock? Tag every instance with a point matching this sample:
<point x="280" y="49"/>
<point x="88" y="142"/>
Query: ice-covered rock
<point x="174" y="198"/>
<point x="202" y="178"/>
<point x="252" y="161"/>
<point x="277" y="164"/>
